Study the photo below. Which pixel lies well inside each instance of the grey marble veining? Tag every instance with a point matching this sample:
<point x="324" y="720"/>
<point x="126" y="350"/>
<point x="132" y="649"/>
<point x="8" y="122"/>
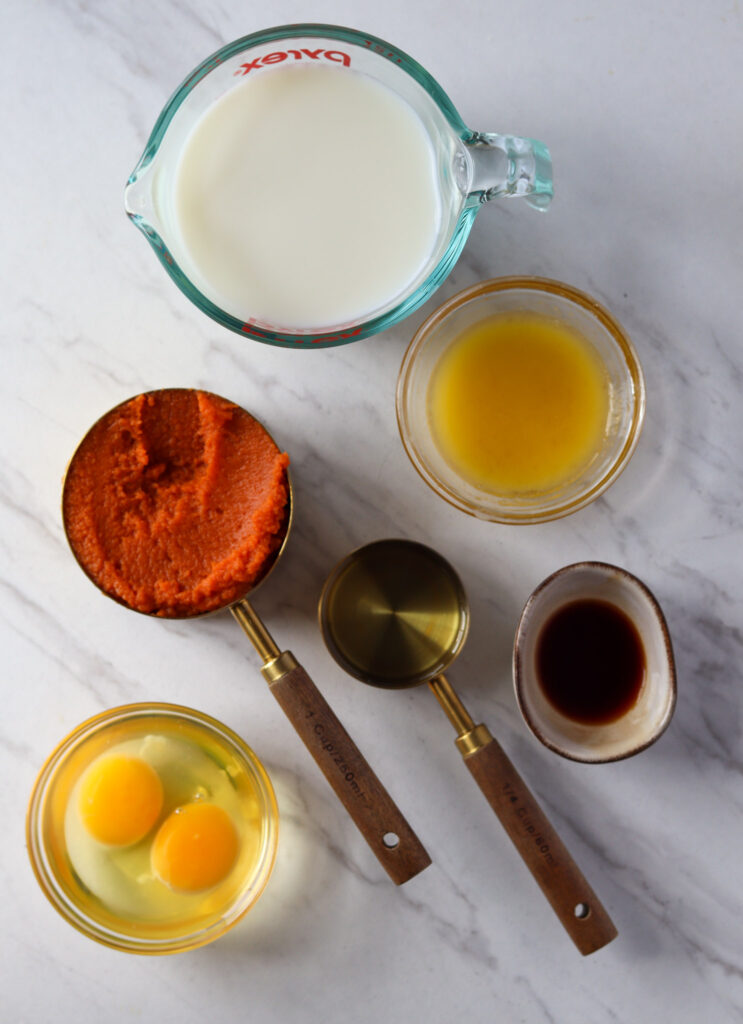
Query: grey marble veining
<point x="639" y="103"/>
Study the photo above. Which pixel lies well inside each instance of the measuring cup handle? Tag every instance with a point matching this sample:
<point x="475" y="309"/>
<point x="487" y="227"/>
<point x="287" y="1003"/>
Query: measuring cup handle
<point x="542" y="850"/>
<point x="373" y="810"/>
<point x="506" y="165"/>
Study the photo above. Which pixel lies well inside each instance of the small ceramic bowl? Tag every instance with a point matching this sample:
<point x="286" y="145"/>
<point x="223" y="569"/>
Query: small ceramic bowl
<point x="649" y="716"/>
<point x="552" y="301"/>
<point x="70" y="886"/>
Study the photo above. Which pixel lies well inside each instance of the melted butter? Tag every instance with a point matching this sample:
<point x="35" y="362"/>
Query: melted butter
<point x="519" y="403"/>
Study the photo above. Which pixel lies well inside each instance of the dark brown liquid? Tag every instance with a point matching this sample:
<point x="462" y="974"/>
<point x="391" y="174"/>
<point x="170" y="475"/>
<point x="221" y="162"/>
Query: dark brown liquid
<point x="590" y="662"/>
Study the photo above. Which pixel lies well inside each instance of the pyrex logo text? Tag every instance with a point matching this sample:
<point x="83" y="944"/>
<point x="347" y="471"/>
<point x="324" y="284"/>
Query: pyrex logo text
<point x="336" y="56"/>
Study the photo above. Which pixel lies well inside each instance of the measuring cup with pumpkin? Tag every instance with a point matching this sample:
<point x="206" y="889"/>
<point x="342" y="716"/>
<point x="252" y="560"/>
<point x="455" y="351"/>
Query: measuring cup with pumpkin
<point x="178" y="503"/>
<point x="394" y="614"/>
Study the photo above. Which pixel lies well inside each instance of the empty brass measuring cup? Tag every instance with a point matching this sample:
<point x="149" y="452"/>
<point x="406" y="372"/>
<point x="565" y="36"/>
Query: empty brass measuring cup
<point x="356" y="785"/>
<point x="395" y="614"/>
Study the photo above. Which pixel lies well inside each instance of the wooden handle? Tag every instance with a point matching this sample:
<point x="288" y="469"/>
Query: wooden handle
<point x="542" y="850"/>
<point x="373" y="810"/>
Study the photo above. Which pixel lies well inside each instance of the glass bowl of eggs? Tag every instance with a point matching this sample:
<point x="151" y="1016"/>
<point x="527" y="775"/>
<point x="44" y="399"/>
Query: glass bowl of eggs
<point x="152" y="828"/>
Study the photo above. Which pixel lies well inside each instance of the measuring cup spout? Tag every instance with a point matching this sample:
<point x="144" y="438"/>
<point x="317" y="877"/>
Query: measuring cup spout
<point x="505" y="165"/>
<point x="143" y="203"/>
<point x="138" y="198"/>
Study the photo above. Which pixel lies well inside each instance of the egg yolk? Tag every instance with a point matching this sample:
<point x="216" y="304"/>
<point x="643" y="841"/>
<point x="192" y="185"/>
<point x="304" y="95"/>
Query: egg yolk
<point x="195" y="847"/>
<point x="120" y="799"/>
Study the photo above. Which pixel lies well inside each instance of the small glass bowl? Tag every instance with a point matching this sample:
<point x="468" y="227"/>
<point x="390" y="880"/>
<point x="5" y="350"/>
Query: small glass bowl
<point x="553" y="300"/>
<point x="45" y="827"/>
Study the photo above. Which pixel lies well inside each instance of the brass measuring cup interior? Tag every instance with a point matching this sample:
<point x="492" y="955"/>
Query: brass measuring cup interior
<point x="394" y="614"/>
<point x="367" y="801"/>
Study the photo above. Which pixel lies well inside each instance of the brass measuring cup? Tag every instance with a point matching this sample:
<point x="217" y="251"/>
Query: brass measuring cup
<point x="394" y="614"/>
<point x="356" y="785"/>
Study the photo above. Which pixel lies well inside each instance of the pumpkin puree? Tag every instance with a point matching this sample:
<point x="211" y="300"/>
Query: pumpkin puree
<point x="175" y="502"/>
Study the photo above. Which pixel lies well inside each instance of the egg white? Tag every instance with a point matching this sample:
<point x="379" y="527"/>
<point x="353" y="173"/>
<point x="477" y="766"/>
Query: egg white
<point x="122" y="877"/>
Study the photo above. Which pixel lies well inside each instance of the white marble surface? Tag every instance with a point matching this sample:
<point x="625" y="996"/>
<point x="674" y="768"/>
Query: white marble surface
<point x="640" y="103"/>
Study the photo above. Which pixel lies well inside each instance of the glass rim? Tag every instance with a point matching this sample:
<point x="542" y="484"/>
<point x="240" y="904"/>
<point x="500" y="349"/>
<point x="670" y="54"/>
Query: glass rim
<point x="308" y="339"/>
<point x="547" y="286"/>
<point x="36" y="841"/>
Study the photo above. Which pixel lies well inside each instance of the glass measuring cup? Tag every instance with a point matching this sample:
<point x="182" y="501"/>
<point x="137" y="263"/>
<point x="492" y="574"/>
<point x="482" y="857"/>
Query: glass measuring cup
<point x="470" y="167"/>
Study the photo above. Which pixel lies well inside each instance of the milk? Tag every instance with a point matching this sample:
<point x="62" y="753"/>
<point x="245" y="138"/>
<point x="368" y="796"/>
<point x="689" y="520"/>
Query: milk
<point x="306" y="197"/>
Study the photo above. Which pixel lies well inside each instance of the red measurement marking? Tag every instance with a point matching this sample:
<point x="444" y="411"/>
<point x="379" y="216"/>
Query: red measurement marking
<point x="203" y="71"/>
<point x="277" y="56"/>
<point x="247" y="329"/>
<point x="334" y="337"/>
<point x="378" y="48"/>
